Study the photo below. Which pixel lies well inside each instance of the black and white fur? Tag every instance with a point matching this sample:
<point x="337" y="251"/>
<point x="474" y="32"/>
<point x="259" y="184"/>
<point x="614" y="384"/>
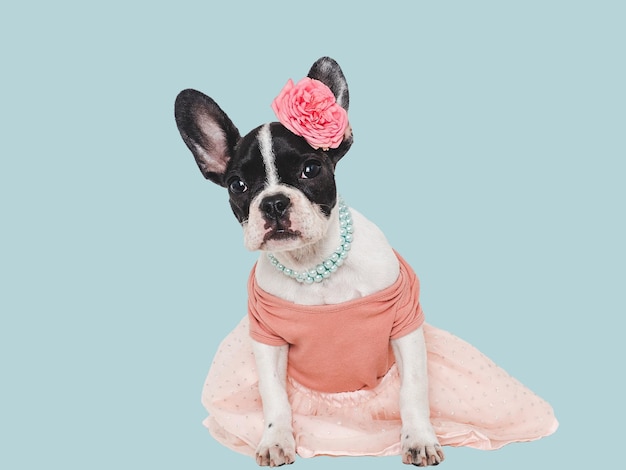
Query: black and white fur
<point x="283" y="194"/>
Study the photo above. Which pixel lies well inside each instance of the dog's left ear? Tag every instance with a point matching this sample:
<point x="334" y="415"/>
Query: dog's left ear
<point x="327" y="71"/>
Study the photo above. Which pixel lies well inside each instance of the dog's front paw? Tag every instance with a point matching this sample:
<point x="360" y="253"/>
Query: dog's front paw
<point x="277" y="447"/>
<point x="421" y="449"/>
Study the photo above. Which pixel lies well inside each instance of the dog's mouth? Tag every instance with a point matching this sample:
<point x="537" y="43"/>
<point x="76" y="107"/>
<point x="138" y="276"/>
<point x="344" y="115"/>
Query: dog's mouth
<point x="278" y="232"/>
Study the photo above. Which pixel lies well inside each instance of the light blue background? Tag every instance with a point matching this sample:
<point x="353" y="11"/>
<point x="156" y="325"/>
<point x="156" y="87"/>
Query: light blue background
<point x="489" y="148"/>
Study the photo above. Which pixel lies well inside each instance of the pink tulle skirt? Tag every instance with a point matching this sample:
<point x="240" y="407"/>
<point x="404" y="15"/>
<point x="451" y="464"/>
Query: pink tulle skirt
<point x="473" y="403"/>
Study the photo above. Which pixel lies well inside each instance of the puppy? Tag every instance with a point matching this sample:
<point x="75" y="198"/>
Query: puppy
<point x="282" y="191"/>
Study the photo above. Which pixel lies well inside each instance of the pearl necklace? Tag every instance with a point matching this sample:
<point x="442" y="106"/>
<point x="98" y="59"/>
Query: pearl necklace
<point x="329" y="265"/>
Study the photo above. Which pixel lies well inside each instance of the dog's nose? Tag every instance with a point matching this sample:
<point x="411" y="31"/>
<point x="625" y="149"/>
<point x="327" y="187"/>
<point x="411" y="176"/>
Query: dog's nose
<point x="275" y="206"/>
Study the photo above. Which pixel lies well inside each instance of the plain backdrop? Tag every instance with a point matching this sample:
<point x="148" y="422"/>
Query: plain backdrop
<point x="489" y="147"/>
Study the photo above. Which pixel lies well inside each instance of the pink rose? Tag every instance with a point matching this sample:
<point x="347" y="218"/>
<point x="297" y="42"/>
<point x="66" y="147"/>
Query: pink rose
<point x="309" y="109"/>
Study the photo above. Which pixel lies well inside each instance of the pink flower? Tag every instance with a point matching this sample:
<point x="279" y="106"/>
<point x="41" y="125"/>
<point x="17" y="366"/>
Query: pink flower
<point x="309" y="109"/>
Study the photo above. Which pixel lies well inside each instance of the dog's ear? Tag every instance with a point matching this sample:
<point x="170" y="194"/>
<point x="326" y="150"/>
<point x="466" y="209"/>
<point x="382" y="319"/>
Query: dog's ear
<point x="327" y="71"/>
<point x="208" y="132"/>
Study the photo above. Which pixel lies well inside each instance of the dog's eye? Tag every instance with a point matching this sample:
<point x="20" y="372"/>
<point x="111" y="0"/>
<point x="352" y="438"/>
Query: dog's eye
<point x="311" y="169"/>
<point x="237" y="186"/>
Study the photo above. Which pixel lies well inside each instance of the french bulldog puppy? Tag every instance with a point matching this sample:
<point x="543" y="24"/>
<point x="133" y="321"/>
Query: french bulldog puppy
<point x="282" y="191"/>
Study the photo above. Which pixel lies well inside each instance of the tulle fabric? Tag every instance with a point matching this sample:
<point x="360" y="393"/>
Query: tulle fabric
<point x="473" y="403"/>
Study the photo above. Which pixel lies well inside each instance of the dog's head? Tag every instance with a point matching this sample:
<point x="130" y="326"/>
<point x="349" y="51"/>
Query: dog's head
<point x="282" y="189"/>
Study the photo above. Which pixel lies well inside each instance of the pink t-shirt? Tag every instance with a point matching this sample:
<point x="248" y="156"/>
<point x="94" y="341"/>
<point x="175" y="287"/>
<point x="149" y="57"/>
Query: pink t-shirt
<point x="338" y="347"/>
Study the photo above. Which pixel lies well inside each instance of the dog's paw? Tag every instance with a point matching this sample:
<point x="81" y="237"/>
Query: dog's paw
<point x="277" y="447"/>
<point x="421" y="449"/>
